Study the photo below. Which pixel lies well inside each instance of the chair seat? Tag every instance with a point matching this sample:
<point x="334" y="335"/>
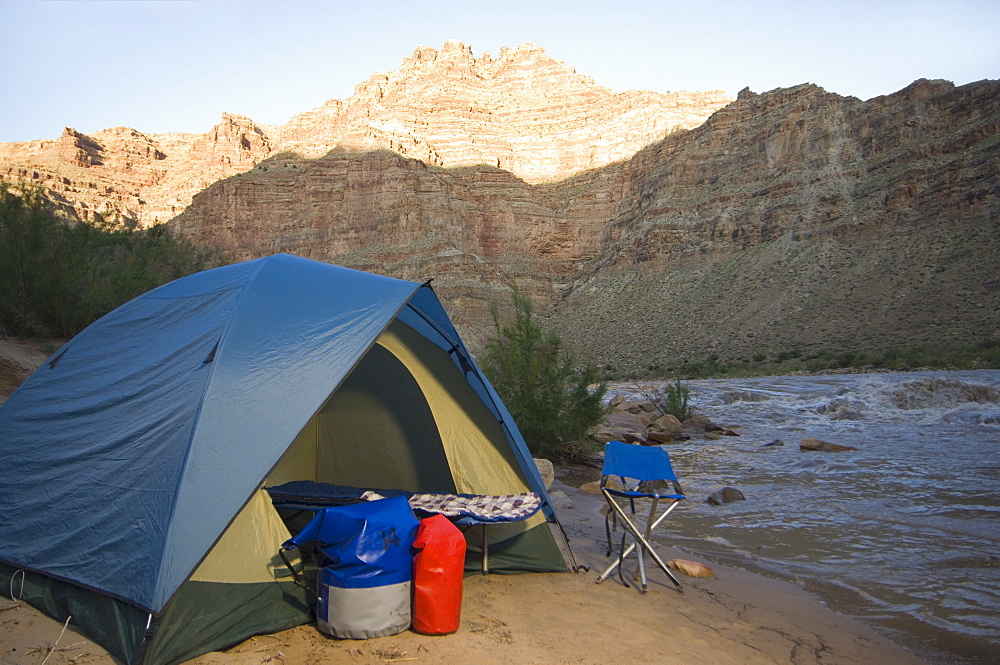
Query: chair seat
<point x="646" y="495"/>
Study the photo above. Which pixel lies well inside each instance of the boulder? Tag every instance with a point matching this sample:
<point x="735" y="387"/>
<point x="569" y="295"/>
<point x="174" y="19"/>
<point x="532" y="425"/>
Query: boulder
<point x="725" y="495"/>
<point x="668" y="423"/>
<point x="656" y="486"/>
<point x="594" y="487"/>
<point x="661" y="437"/>
<point x="810" y="443"/>
<point x="546" y="470"/>
<point x="618" y="424"/>
<point x="692" y="426"/>
<point x="774" y="444"/>
<point x="604" y="436"/>
<point x="691" y="568"/>
<point x="616" y="401"/>
<point x="732" y="494"/>
<point x="561" y="501"/>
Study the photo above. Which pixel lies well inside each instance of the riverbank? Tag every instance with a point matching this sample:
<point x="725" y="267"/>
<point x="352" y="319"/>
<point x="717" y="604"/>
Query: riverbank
<point x="735" y="617"/>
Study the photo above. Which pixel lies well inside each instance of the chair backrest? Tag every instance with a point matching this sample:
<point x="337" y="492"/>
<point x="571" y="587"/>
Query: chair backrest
<point x="642" y="463"/>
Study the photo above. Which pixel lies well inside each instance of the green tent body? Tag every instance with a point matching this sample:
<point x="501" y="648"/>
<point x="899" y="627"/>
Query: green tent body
<point x="134" y="461"/>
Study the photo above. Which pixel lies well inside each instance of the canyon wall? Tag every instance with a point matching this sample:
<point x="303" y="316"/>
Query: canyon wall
<point x="652" y="229"/>
<point x="801" y="221"/>
<point x="791" y="221"/>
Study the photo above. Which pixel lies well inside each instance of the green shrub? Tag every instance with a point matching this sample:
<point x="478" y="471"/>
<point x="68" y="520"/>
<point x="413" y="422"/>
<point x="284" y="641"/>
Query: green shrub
<point x="550" y="398"/>
<point x="57" y="276"/>
<point x="677" y="401"/>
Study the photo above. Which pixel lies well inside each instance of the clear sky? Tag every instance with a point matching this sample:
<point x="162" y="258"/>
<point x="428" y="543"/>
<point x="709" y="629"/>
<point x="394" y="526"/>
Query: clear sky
<point x="176" y="65"/>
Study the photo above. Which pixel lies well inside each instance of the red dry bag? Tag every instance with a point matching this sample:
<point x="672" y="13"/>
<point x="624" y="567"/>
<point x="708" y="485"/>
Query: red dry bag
<point x="438" y="568"/>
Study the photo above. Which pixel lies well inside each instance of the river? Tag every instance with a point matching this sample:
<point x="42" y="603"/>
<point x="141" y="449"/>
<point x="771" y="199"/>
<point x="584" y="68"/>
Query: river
<point x="902" y="533"/>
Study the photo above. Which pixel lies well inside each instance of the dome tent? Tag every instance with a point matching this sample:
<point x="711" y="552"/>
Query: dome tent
<point x="134" y="458"/>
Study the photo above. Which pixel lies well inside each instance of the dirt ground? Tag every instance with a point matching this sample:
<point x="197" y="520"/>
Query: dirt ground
<point x="18" y="359"/>
<point x="734" y="617"/>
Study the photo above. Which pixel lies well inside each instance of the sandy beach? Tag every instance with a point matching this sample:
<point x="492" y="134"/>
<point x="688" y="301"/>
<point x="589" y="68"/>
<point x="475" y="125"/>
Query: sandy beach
<point x="735" y="617"/>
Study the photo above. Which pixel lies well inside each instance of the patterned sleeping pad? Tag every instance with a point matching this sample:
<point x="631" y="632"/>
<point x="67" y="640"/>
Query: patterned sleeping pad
<point x="467" y="508"/>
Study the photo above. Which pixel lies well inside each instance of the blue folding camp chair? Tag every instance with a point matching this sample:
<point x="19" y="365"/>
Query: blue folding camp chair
<point x="642" y="472"/>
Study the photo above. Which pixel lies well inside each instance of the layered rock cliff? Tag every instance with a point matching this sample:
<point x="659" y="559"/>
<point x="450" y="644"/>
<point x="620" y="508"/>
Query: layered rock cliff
<point x="652" y="229"/>
<point x="521" y="111"/>
<point x="141" y="179"/>
<point x="791" y="221"/>
<point x="800" y="221"/>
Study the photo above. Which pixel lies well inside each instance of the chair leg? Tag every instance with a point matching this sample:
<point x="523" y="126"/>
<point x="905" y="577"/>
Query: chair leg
<point x="653" y="505"/>
<point x="628" y="550"/>
<point x="643" y="586"/>
<point x="642" y="541"/>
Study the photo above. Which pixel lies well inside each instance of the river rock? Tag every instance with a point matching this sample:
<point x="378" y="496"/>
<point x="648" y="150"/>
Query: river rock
<point x="656" y="487"/>
<point x="603" y="436"/>
<point x="616" y="401"/>
<point x="661" y="437"/>
<point x="624" y="420"/>
<point x="669" y="423"/>
<point x="636" y="407"/>
<point x="692" y="426"/>
<point x="617" y="425"/>
<point x="691" y="568"/>
<point x="546" y="470"/>
<point x="594" y="487"/>
<point x="725" y="495"/>
<point x="810" y="443"/>
<point x="731" y="396"/>
<point x="774" y="444"/>
<point x="561" y="501"/>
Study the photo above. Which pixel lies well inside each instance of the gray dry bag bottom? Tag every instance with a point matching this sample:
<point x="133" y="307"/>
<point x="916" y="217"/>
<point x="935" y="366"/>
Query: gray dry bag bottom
<point x="359" y="614"/>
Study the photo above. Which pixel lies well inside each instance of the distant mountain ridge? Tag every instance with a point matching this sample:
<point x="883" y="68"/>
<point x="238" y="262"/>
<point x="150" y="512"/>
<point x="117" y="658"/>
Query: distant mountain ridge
<point x="652" y="229"/>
